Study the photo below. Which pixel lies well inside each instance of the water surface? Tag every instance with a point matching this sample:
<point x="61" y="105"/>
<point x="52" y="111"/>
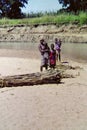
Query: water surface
<point x="77" y="51"/>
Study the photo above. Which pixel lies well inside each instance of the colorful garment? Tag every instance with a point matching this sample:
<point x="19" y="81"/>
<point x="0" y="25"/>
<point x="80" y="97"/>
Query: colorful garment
<point x="44" y="50"/>
<point x="57" y="47"/>
<point x="52" y="58"/>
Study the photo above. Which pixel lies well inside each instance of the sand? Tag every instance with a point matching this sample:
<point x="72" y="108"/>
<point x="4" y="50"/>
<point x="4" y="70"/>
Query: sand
<point x="42" y="107"/>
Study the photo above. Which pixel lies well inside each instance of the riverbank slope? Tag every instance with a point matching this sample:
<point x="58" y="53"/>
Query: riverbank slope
<point x="68" y="33"/>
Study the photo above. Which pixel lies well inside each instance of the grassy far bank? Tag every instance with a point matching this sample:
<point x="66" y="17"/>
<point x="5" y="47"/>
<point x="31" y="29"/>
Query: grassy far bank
<point x="62" y="18"/>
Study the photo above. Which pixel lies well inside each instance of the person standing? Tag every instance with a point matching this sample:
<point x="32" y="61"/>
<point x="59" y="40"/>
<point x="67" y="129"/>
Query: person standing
<point x="52" y="57"/>
<point x="44" y="50"/>
<point x="58" y="48"/>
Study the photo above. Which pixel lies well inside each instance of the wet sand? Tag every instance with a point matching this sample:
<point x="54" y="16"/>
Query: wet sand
<point x="42" y="107"/>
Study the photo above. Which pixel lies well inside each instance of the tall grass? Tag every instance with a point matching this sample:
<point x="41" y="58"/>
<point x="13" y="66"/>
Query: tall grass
<point x="82" y="18"/>
<point x="62" y="18"/>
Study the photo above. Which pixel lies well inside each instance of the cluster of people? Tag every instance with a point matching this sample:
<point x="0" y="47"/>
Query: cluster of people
<point x="49" y="55"/>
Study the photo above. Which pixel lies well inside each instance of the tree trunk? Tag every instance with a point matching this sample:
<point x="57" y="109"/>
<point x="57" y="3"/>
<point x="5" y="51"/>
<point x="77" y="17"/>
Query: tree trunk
<point x="50" y="76"/>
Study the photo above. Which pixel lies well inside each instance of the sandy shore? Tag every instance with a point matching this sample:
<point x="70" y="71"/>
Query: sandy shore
<point x="42" y="107"/>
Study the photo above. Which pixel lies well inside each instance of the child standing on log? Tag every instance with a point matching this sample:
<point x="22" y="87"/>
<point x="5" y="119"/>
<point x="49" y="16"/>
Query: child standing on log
<point x="52" y="57"/>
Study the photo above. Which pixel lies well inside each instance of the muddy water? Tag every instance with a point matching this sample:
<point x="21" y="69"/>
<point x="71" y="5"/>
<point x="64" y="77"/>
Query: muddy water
<point x="77" y="51"/>
<point x="69" y="50"/>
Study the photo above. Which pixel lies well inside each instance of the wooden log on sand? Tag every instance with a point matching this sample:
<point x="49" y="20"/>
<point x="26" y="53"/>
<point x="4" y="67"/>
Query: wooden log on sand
<point x="47" y="77"/>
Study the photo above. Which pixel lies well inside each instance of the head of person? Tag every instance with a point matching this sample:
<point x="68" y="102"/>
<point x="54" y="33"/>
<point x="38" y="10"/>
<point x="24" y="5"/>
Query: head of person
<point x="42" y="41"/>
<point x="52" y="46"/>
<point x="56" y="40"/>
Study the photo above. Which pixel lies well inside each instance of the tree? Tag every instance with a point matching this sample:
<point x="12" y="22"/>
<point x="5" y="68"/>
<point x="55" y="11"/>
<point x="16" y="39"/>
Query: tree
<point x="83" y="5"/>
<point x="74" y="5"/>
<point x="12" y="8"/>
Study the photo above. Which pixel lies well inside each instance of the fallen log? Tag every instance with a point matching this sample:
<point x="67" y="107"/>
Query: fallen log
<point x="47" y="77"/>
<point x="50" y="76"/>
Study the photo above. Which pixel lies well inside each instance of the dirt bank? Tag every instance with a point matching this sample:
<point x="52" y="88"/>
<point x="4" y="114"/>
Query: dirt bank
<point x="68" y="33"/>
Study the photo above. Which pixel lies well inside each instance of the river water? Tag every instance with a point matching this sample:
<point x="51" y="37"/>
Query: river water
<point x="77" y="51"/>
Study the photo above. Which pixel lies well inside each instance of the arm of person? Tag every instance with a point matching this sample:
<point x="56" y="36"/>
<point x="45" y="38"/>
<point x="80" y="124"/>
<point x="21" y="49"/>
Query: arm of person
<point x="41" y="50"/>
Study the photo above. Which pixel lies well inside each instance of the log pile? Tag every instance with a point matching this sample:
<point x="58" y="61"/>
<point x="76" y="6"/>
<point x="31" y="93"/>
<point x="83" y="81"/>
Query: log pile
<point x="50" y="76"/>
<point x="47" y="77"/>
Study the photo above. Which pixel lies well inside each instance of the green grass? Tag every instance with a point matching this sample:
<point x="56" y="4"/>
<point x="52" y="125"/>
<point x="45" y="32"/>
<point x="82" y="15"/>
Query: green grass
<point x="62" y="18"/>
<point x="83" y="18"/>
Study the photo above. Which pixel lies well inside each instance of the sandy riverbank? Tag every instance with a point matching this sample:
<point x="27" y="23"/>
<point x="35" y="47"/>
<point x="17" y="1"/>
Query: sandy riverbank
<point x="70" y="33"/>
<point x="42" y="107"/>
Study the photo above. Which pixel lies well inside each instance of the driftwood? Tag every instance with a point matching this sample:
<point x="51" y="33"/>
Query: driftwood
<point x="50" y="76"/>
<point x="47" y="77"/>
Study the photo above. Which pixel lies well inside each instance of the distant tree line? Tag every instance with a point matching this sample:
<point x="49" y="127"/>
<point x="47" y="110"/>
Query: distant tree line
<point x="40" y="14"/>
<point x="12" y="8"/>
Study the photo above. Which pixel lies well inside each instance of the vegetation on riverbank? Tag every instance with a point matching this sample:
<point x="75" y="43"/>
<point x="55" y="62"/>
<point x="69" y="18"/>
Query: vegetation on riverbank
<point x="62" y="18"/>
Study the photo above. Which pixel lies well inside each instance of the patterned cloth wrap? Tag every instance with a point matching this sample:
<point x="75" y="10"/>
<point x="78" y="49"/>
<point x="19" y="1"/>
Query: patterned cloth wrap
<point x="44" y="54"/>
<point x="52" y="57"/>
<point x="57" y="46"/>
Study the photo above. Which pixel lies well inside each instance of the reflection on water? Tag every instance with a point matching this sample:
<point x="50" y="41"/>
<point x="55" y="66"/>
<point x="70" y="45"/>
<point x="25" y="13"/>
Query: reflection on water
<point x="73" y="50"/>
<point x="77" y="51"/>
<point x="17" y="45"/>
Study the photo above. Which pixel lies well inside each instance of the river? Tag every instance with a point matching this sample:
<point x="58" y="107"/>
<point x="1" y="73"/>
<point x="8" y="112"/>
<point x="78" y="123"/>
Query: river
<point x="76" y="51"/>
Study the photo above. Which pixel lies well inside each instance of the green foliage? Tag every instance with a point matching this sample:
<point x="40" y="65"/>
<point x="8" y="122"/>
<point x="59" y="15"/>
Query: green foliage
<point x="83" y="18"/>
<point x="11" y="8"/>
<point x="74" y="5"/>
<point x="58" y="19"/>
